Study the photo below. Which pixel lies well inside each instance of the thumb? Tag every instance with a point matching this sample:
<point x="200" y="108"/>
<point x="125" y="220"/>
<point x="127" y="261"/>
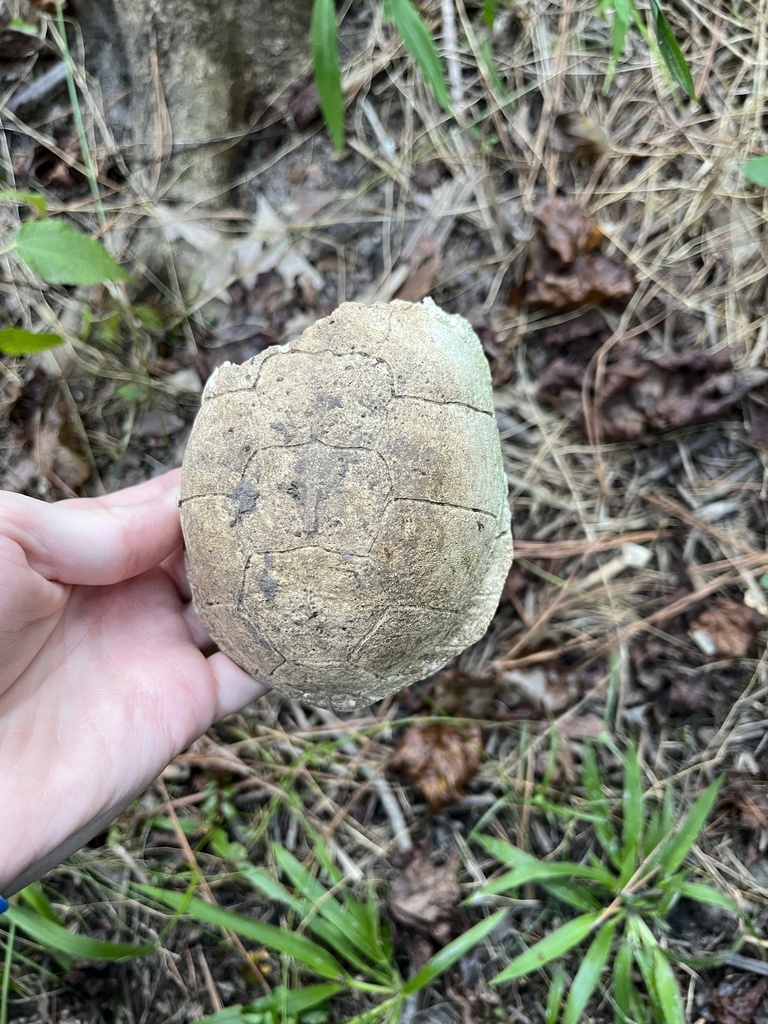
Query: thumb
<point x="81" y="542"/>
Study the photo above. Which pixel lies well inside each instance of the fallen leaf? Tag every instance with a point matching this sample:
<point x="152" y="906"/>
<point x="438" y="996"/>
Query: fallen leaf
<point x="424" y="897"/>
<point x="749" y="797"/>
<point x="423" y="268"/>
<point x="52" y="171"/>
<point x="565" y="229"/>
<point x="57" y="453"/>
<point x="642" y="394"/>
<point x="551" y="687"/>
<point x="738" y="1007"/>
<point x="304" y="105"/>
<point x="439" y="759"/>
<point x="563" y="270"/>
<point x="726" y="628"/>
<point x="461" y="695"/>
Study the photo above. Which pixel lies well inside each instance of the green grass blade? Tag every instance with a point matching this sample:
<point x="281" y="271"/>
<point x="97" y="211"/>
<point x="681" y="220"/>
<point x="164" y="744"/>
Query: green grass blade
<point x="555" y="995"/>
<point x="448" y="955"/>
<point x="671" y="53"/>
<point x="632" y="805"/>
<point x="625" y="994"/>
<point x="323" y="902"/>
<point x="324" y="46"/>
<point x="588" y="975"/>
<point x="55" y="937"/>
<point x="261" y="880"/>
<point x="549" y="948"/>
<point x="671" y="854"/>
<point x="489" y="12"/>
<point x="34" y="897"/>
<point x="706" y="894"/>
<point x="527" y="864"/>
<point x="38" y="203"/>
<point x="666" y="989"/>
<point x="572" y="895"/>
<point x="756" y="171"/>
<point x="284" y="1001"/>
<point x="544" y="872"/>
<point x="304" y="951"/>
<point x="418" y="42"/>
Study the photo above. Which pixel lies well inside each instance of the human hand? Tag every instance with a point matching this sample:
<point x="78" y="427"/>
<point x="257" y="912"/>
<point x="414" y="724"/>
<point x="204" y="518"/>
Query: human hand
<point x="103" y="679"/>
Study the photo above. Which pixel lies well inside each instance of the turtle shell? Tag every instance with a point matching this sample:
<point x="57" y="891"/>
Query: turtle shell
<point x="344" y="505"/>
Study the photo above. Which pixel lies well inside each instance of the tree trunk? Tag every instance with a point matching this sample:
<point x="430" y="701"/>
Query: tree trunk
<point x="178" y="79"/>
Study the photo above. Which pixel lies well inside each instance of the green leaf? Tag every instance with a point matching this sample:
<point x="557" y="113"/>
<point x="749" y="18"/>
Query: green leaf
<point x="38" y="203"/>
<point x="625" y="995"/>
<point x="418" y="42"/>
<point x="622" y="15"/>
<point x="632" y="806"/>
<point x="531" y="867"/>
<point x="325" y="61"/>
<point x="16" y="342"/>
<point x="35" y="898"/>
<point x="671" y="53"/>
<point x="549" y="948"/>
<point x="573" y="895"/>
<point x="756" y="171"/>
<point x="671" y="854"/>
<point x="666" y="990"/>
<point x="448" y="955"/>
<point x="281" y="1000"/>
<point x="264" y="882"/>
<point x="705" y="894"/>
<point x="555" y="995"/>
<point x="306" y="952"/>
<point x="55" y="937"/>
<point x="329" y="921"/>
<point x="588" y="975"/>
<point x="61" y="255"/>
<point x="489" y="12"/>
<point x="543" y="871"/>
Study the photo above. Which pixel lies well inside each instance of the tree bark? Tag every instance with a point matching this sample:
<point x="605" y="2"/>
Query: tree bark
<point x="179" y="77"/>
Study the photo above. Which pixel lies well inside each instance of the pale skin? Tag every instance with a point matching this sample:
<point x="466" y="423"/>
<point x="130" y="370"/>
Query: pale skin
<point x="105" y="670"/>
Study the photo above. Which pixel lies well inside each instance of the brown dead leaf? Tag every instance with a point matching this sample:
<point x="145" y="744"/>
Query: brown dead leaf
<point x="738" y="1007"/>
<point x="438" y="759"/>
<point x="749" y="797"/>
<point x="642" y="394"/>
<point x="58" y="454"/>
<point x="462" y="695"/>
<point x="423" y="268"/>
<point x="424" y="897"/>
<point x="565" y="229"/>
<point x="726" y="628"/>
<point x="52" y="171"/>
<point x="563" y="271"/>
<point x="304" y="105"/>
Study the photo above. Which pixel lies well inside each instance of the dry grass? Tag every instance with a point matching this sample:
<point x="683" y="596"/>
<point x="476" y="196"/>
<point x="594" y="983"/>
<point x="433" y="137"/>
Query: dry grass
<point x="595" y="633"/>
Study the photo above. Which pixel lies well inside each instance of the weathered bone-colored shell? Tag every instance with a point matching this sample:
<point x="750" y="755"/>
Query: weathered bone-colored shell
<point x="344" y="505"/>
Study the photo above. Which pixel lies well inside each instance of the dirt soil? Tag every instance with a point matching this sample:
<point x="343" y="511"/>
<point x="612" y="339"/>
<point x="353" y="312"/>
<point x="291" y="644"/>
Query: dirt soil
<point x="612" y="258"/>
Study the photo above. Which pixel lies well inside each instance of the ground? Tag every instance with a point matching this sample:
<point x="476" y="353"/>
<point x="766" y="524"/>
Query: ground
<point x="611" y="256"/>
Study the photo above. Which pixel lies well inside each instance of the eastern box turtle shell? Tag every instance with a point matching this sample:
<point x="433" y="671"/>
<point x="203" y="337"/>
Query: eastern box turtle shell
<point x="344" y="504"/>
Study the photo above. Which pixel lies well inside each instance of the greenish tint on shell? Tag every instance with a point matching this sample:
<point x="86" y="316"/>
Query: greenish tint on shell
<point x="344" y="504"/>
